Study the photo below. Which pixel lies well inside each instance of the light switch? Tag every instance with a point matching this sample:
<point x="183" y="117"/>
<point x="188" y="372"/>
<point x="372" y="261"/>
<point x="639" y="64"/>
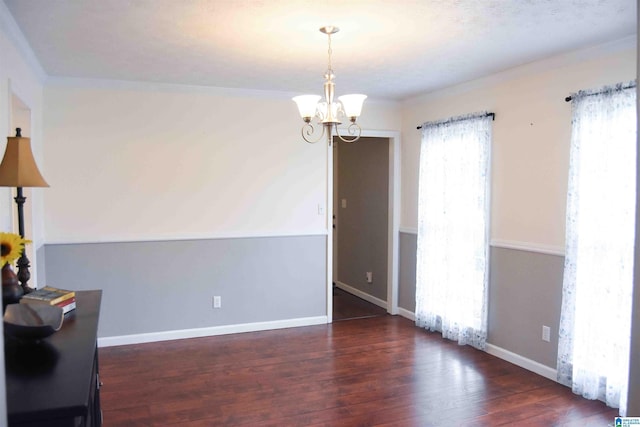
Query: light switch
<point x="343" y="203"/>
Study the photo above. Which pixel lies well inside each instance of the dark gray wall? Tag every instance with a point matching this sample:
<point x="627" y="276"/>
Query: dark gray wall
<point x="525" y="293"/>
<point x="169" y="285"/>
<point x="408" y="244"/>
<point x="363" y="179"/>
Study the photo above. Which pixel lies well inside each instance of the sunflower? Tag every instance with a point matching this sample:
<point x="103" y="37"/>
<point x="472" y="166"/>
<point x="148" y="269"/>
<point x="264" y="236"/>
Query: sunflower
<point x="11" y="246"/>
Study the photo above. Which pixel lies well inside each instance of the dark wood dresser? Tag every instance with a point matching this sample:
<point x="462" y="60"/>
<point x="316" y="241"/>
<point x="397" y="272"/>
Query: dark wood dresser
<point x="55" y="382"/>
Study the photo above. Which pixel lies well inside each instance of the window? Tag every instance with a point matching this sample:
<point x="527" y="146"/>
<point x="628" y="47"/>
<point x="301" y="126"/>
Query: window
<point x="453" y="228"/>
<point x="595" y="324"/>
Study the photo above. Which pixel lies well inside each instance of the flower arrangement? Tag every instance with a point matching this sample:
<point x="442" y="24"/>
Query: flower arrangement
<point x="11" y="246"/>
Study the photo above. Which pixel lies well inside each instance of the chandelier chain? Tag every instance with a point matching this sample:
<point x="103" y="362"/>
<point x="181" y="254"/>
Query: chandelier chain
<point x="329" y="51"/>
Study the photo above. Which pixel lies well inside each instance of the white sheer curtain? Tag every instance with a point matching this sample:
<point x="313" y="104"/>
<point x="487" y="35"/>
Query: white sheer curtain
<point x="595" y="324"/>
<point x="453" y="228"/>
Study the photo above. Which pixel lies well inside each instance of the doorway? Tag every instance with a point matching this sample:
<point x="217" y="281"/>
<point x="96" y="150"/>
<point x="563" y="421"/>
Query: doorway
<point x="364" y="234"/>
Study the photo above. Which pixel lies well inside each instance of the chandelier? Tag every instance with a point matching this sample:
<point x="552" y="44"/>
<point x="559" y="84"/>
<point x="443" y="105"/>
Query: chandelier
<point x="330" y="112"/>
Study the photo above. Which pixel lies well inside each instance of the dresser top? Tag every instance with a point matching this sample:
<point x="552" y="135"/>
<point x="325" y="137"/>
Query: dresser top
<point x="52" y="378"/>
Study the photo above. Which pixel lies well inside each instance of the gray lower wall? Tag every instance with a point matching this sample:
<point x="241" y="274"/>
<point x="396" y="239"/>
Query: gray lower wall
<point x="525" y="293"/>
<point x="169" y="285"/>
<point x="408" y="244"/>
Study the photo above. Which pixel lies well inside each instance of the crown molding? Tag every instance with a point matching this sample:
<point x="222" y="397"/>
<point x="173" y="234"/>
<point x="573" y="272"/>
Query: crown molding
<point x="534" y="67"/>
<point x="16" y="37"/>
<point x="146" y="86"/>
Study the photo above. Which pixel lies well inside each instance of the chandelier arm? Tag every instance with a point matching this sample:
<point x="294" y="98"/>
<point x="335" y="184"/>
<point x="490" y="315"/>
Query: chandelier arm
<point x="308" y="130"/>
<point x="352" y="129"/>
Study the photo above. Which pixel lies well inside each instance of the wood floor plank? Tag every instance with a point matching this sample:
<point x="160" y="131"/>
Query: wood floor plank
<point x="369" y="372"/>
<point x="347" y="306"/>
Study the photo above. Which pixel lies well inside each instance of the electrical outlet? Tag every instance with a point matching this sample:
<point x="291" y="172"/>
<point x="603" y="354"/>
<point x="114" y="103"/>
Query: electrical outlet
<point x="369" y="277"/>
<point x="217" y="302"/>
<point x="546" y="333"/>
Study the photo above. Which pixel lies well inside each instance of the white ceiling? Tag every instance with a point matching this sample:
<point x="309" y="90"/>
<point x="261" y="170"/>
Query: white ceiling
<point x="387" y="49"/>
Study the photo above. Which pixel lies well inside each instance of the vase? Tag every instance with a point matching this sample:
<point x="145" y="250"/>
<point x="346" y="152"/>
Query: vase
<point x="11" y="289"/>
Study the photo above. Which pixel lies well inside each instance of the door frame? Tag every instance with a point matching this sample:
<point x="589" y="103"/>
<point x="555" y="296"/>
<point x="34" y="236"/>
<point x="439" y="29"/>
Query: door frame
<point x="393" y="227"/>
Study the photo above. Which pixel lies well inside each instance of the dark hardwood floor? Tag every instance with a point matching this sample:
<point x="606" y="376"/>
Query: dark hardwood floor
<point x="347" y="306"/>
<point x="378" y="371"/>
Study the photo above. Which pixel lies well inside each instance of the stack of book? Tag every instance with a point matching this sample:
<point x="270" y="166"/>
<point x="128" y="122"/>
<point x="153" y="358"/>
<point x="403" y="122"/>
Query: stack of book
<point x="52" y="296"/>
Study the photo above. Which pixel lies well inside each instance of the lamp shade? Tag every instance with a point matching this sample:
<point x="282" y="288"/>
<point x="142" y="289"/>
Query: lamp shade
<point x="307" y="105"/>
<point x="18" y="167"/>
<point x="352" y="104"/>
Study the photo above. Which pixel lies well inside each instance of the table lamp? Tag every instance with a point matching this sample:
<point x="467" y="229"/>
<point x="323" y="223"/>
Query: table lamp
<point x="18" y="169"/>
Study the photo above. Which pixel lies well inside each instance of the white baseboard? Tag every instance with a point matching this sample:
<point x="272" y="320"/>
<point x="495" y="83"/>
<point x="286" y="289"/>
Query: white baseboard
<point x="501" y="353"/>
<point x="363" y="295"/>
<point x="494" y="350"/>
<point x="210" y="331"/>
<point x="523" y="362"/>
<point x="406" y="314"/>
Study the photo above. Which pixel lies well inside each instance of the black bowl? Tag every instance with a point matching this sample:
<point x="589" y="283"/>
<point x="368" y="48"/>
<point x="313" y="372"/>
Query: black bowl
<point x="32" y="322"/>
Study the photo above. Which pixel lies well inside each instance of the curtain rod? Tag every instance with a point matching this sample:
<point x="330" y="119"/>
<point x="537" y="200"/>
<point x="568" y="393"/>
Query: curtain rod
<point x="492" y="115"/>
<point x="629" y="86"/>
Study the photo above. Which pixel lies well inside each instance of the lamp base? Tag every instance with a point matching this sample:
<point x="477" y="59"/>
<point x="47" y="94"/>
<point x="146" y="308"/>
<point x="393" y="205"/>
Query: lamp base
<point x="23" y="272"/>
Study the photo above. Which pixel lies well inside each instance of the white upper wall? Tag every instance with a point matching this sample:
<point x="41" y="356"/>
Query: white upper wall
<point x="21" y="77"/>
<point x="531" y="136"/>
<point x="131" y="162"/>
